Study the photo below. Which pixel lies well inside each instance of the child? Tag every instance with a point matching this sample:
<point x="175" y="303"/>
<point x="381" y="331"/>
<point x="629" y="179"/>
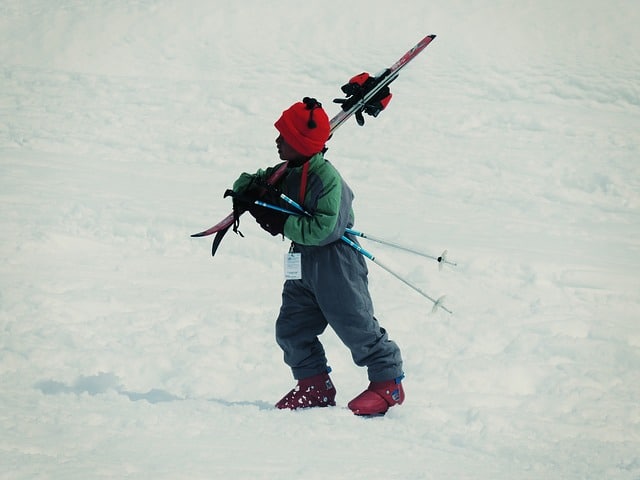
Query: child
<point x="332" y="288"/>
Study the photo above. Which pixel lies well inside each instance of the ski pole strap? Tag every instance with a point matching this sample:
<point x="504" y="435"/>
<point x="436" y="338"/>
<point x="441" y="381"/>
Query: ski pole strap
<point x="236" y="214"/>
<point x="236" y="219"/>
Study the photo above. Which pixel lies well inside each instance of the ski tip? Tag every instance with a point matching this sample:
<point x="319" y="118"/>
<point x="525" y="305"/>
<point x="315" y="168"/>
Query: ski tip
<point x="432" y="36"/>
<point x="218" y="238"/>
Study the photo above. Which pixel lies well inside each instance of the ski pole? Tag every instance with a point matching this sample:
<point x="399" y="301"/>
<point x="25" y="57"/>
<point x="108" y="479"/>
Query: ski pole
<point x="294" y="204"/>
<point x="436" y="303"/>
<point x="275" y="207"/>
<point x="442" y="259"/>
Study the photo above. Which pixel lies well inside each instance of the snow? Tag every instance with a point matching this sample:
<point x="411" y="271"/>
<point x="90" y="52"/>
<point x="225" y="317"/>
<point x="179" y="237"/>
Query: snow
<point x="126" y="351"/>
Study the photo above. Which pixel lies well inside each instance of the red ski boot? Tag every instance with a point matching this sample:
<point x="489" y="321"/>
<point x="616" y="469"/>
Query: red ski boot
<point x="316" y="391"/>
<point x="378" y="397"/>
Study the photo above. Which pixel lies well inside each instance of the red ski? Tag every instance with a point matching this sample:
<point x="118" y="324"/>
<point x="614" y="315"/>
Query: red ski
<point x="382" y="81"/>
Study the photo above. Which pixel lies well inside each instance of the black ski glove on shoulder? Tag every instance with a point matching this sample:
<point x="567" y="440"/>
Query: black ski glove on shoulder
<point x="270" y="220"/>
<point x="355" y="91"/>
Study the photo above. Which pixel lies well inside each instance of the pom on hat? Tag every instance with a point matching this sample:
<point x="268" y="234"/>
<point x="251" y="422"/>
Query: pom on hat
<point x="305" y="126"/>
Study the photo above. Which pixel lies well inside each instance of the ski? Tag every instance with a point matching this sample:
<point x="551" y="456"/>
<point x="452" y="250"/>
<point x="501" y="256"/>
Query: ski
<point x="227" y="221"/>
<point x="382" y="80"/>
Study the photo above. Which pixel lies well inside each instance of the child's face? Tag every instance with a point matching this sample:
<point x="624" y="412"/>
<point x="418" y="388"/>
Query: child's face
<point x="286" y="151"/>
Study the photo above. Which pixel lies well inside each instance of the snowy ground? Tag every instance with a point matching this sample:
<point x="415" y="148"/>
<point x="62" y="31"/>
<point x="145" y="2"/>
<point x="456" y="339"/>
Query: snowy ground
<point x="126" y="351"/>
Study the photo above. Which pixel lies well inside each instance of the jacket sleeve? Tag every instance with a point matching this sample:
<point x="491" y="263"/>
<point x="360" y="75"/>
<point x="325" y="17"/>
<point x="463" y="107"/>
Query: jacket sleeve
<point x="246" y="181"/>
<point x="331" y="216"/>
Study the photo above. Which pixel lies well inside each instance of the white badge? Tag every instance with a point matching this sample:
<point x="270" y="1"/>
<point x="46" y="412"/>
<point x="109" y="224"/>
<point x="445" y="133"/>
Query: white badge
<point x="292" y="266"/>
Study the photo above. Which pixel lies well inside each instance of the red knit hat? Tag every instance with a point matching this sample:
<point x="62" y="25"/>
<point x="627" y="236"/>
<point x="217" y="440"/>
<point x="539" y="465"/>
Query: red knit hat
<point x="305" y="126"/>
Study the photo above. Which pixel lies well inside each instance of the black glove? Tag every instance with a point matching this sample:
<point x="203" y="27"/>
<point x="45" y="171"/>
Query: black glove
<point x="270" y="220"/>
<point x="357" y="88"/>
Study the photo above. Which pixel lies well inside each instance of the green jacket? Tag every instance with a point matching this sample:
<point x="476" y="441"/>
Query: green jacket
<point x="328" y="198"/>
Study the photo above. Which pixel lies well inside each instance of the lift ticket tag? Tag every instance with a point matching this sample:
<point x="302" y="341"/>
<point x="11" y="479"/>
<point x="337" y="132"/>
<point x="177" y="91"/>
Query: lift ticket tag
<point x="292" y="266"/>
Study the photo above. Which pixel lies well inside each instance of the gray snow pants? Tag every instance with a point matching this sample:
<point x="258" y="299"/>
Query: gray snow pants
<point x="333" y="291"/>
